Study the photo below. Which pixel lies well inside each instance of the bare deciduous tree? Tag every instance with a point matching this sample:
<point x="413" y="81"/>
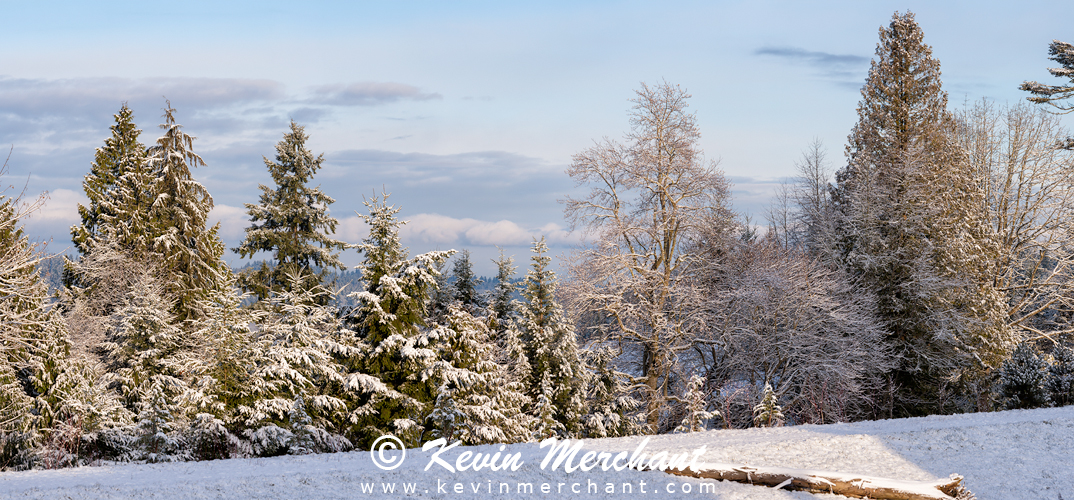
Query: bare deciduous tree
<point x="1029" y="181"/>
<point x="780" y="317"/>
<point x="655" y="203"/>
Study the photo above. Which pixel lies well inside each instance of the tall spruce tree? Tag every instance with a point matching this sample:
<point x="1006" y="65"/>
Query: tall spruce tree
<point x="557" y="377"/>
<point x="291" y="221"/>
<point x="122" y="153"/>
<point x="192" y="252"/>
<point x="390" y="350"/>
<point x="912" y="228"/>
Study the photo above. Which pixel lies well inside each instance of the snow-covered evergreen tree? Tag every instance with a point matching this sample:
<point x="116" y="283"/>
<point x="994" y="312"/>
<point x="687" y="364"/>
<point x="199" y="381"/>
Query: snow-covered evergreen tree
<point x="122" y="153"/>
<point x="158" y="439"/>
<point x="390" y="349"/>
<point x="142" y="350"/>
<point x="502" y="305"/>
<point x="1054" y="95"/>
<point x="191" y="251"/>
<point x="613" y="412"/>
<point x="477" y="401"/>
<point x="291" y="221"/>
<point x="1022" y="378"/>
<point x="48" y="397"/>
<point x="1060" y="383"/>
<point x="768" y="413"/>
<point x="464" y="287"/>
<point x="557" y="374"/>
<point x="695" y="402"/>
<point x="292" y="357"/>
<point x="441" y="296"/>
<point x="912" y="228"/>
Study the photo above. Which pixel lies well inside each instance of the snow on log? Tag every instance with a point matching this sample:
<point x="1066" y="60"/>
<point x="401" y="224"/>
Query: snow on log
<point x="851" y="485"/>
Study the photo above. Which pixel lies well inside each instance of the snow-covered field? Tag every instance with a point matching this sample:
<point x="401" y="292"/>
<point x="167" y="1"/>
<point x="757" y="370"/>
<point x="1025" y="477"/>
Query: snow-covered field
<point x="1023" y="454"/>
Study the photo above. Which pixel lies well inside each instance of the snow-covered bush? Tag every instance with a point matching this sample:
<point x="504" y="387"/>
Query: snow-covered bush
<point x="1060" y="382"/>
<point x="208" y="439"/>
<point x="269" y="441"/>
<point x="1021" y="378"/>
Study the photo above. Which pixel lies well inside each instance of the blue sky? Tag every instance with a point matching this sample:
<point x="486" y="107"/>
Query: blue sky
<point x="467" y="112"/>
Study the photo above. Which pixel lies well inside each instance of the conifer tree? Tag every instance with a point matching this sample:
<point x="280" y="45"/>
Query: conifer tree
<point x="612" y="410"/>
<point x="912" y="226"/>
<point x="503" y="320"/>
<point x="41" y="384"/>
<point x="292" y="357"/>
<point x="557" y="376"/>
<point x="768" y="413"/>
<point x="291" y="221"/>
<point x="501" y="302"/>
<point x="390" y="349"/>
<point x="1060" y="382"/>
<point x="441" y="296"/>
<point x="694" y="401"/>
<point x="122" y="153"/>
<point x="464" y="287"/>
<point x="1022" y="378"/>
<point x="477" y="401"/>
<point x="191" y="251"/>
<point x="143" y="348"/>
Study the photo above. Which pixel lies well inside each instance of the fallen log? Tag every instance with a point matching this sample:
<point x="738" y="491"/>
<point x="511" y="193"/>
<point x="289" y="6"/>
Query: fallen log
<point x="851" y="485"/>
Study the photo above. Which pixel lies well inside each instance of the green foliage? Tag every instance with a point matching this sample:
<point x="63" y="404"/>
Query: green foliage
<point x="1022" y="378"/>
<point x="122" y="154"/>
<point x="389" y="352"/>
<point x="911" y="229"/>
<point x="291" y="221"/>
<point x="191" y="252"/>
<point x="768" y="413"/>
<point x="556" y="383"/>
<point x="464" y="287"/>
<point x="1060" y="383"/>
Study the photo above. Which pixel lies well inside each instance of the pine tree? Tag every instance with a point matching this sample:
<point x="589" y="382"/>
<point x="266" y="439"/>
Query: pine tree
<point x="1022" y="378"/>
<point x="502" y="305"/>
<point x="464" y="287"/>
<point x="191" y="252"/>
<point x="122" y="153"/>
<point x="768" y="413"/>
<point x="291" y="221"/>
<point x="390" y="349"/>
<point x="477" y="401"/>
<point x="1060" y="382"/>
<point x="293" y="356"/>
<point x="612" y="410"/>
<point x="557" y="375"/>
<point x="912" y="224"/>
<point x="694" y="401"/>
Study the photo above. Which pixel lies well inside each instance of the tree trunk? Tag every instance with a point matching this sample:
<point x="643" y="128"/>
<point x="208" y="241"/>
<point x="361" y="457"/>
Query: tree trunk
<point x="851" y="485"/>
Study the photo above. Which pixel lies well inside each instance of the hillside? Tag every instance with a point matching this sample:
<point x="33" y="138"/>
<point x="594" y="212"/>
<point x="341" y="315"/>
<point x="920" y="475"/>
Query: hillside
<point x="1014" y="454"/>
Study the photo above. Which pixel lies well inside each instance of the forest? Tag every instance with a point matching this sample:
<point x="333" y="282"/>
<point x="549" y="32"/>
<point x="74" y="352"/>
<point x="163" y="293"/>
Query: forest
<point x="932" y="273"/>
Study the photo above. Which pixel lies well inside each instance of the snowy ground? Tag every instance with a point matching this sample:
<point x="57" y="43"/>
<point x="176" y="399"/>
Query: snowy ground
<point x="1005" y="455"/>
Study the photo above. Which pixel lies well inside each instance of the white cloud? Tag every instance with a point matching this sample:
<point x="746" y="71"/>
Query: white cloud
<point x="441" y="230"/>
<point x="233" y="221"/>
<point x="61" y="206"/>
